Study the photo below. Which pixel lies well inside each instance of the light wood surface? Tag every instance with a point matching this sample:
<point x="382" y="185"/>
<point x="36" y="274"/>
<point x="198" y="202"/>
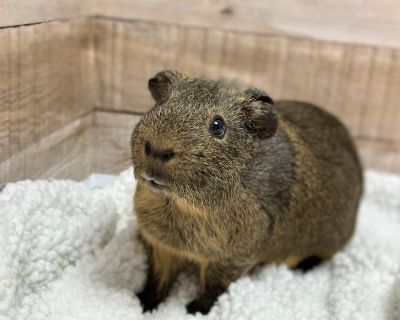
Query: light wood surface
<point x="62" y="154"/>
<point x="96" y="142"/>
<point x="371" y="22"/>
<point x="110" y="146"/>
<point x="18" y="12"/>
<point x="45" y="81"/>
<point x="379" y="155"/>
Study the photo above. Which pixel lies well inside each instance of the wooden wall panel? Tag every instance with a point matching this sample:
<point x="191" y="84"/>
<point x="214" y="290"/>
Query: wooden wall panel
<point x="17" y="12"/>
<point x="45" y="81"/>
<point x="96" y="142"/>
<point x="370" y="22"/>
<point x="360" y="84"/>
<point x="110" y="144"/>
<point x="380" y="155"/>
<point x="62" y="154"/>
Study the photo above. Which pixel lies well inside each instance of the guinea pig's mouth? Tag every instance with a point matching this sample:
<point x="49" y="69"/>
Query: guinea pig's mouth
<point x="153" y="183"/>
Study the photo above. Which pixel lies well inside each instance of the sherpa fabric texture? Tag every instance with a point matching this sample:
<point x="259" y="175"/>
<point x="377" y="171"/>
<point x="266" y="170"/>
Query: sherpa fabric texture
<point x="70" y="252"/>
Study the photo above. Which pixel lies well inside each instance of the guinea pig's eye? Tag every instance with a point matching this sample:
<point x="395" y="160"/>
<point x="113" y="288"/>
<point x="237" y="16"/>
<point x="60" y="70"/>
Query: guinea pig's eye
<point x="218" y="127"/>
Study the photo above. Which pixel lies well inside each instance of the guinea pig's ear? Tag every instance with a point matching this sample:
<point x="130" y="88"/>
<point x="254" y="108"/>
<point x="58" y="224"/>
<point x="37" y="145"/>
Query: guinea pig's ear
<point x="260" y="114"/>
<point x="160" y="85"/>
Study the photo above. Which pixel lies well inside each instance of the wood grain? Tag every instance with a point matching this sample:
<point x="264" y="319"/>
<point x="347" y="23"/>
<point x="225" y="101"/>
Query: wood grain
<point x="110" y="143"/>
<point x="62" y="154"/>
<point x="370" y="22"/>
<point x="96" y="142"/>
<point x="359" y="84"/>
<point x="379" y="155"/>
<point x="45" y="71"/>
<point x="17" y="12"/>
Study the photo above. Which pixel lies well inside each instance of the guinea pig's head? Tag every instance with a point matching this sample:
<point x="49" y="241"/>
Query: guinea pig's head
<point x="199" y="137"/>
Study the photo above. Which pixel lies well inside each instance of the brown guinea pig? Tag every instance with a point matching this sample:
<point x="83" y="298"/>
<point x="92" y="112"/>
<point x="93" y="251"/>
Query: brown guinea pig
<point x="227" y="179"/>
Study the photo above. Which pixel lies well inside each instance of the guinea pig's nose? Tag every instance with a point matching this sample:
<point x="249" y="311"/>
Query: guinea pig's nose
<point x="164" y="155"/>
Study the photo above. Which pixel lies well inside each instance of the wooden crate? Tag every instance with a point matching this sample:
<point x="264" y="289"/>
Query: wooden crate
<point x="74" y="73"/>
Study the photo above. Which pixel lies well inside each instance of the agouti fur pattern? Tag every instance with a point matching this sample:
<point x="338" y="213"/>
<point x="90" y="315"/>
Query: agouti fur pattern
<point x="228" y="179"/>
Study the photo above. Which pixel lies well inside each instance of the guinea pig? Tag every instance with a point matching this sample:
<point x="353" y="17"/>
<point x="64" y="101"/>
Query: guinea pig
<point x="228" y="179"/>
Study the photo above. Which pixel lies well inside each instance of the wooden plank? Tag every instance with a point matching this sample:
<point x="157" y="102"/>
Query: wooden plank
<point x="46" y="83"/>
<point x="364" y="22"/>
<point x="97" y="142"/>
<point x="110" y="145"/>
<point x="359" y="84"/>
<point x="62" y="154"/>
<point x="379" y="155"/>
<point x="124" y="91"/>
<point x="17" y="12"/>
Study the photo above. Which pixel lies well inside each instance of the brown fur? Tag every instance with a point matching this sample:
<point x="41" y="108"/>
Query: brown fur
<point x="282" y="185"/>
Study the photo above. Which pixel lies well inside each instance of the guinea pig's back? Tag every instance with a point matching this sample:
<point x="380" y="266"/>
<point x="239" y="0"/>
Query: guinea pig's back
<point x="322" y="132"/>
<point x="328" y="175"/>
<point x="327" y="137"/>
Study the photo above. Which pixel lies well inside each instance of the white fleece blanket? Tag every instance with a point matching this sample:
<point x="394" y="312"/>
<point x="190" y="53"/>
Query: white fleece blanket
<point x="69" y="251"/>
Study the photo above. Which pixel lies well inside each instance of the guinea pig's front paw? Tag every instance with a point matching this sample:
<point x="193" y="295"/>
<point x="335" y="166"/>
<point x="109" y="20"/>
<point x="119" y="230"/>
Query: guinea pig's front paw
<point x="201" y="304"/>
<point x="148" y="300"/>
